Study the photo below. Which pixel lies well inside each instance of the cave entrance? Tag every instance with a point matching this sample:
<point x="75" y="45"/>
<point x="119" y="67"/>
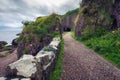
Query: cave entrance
<point x="114" y="24"/>
<point x="66" y="29"/>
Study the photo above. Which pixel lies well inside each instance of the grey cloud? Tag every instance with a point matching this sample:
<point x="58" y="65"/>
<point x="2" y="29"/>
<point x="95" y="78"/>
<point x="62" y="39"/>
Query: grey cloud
<point x="68" y="5"/>
<point x="15" y="11"/>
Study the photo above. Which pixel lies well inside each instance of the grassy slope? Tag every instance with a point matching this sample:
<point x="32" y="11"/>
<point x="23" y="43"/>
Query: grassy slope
<point x="107" y="45"/>
<point x="39" y="28"/>
<point x="55" y="75"/>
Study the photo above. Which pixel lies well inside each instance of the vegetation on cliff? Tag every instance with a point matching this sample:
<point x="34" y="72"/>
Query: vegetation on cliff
<point x="37" y="34"/>
<point x="94" y="15"/>
<point x="41" y="27"/>
<point x="69" y="13"/>
<point x="106" y="45"/>
<point x="95" y="27"/>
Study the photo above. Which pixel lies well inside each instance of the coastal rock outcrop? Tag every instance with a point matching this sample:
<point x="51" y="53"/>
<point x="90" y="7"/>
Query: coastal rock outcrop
<point x="2" y="43"/>
<point x="36" y="34"/>
<point x="14" y="42"/>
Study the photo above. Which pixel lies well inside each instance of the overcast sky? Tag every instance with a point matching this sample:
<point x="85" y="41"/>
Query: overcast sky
<point x="12" y="12"/>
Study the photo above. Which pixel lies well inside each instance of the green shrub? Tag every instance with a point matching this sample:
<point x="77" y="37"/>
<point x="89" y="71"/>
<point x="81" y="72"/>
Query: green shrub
<point x="72" y="12"/>
<point x="92" y="31"/>
<point x="39" y="28"/>
<point x="107" y="45"/>
<point x="26" y="51"/>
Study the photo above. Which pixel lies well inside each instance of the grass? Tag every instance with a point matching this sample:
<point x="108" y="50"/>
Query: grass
<point x="56" y="74"/>
<point x="107" y="45"/>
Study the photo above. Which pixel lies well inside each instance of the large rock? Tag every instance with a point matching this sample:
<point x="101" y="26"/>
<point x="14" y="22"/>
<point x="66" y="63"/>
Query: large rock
<point x="2" y="43"/>
<point x="2" y="78"/>
<point x="29" y="66"/>
<point x="24" y="66"/>
<point x="36" y="67"/>
<point x="15" y="42"/>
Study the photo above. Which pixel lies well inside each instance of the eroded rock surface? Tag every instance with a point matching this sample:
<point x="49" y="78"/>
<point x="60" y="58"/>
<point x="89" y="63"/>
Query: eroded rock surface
<point x="35" y="67"/>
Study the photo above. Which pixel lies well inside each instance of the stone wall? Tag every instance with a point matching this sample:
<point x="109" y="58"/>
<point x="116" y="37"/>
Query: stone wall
<point x="37" y="67"/>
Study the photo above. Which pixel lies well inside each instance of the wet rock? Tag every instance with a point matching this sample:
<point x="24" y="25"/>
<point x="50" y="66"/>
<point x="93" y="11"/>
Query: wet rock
<point x="15" y="42"/>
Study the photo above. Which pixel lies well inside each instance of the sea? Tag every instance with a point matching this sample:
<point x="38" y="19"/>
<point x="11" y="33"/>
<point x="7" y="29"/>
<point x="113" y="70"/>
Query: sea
<point x="9" y="34"/>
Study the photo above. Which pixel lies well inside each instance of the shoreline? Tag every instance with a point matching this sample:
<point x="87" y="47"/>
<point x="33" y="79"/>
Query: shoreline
<point x="9" y="35"/>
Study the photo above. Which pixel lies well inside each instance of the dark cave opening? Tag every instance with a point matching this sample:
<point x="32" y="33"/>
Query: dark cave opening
<point x="66" y="29"/>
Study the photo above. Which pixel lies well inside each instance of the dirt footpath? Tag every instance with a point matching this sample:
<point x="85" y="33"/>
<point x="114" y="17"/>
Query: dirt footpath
<point x="81" y="63"/>
<point x="5" y="61"/>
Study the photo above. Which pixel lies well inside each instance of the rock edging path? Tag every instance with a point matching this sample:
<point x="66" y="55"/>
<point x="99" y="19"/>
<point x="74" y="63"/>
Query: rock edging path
<point x="81" y="63"/>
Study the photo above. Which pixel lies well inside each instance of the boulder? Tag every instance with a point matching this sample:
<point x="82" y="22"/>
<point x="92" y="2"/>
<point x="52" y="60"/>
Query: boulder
<point x="36" y="67"/>
<point x="14" y="42"/>
<point x="2" y="43"/>
<point x="25" y="66"/>
<point x="2" y="78"/>
<point x="28" y="66"/>
<point x="46" y="58"/>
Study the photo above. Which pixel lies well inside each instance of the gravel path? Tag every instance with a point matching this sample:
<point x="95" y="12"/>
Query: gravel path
<point x="81" y="63"/>
<point x="5" y="61"/>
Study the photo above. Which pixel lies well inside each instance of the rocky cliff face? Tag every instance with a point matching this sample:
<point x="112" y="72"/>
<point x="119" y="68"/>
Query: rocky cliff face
<point x="36" y="35"/>
<point x="68" y="19"/>
<point x="33" y="46"/>
<point x="116" y="13"/>
<point x="97" y="16"/>
<point x="2" y="44"/>
<point x="68" y="22"/>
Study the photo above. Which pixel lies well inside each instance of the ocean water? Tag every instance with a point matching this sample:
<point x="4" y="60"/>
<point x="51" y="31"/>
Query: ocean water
<point x="8" y="35"/>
